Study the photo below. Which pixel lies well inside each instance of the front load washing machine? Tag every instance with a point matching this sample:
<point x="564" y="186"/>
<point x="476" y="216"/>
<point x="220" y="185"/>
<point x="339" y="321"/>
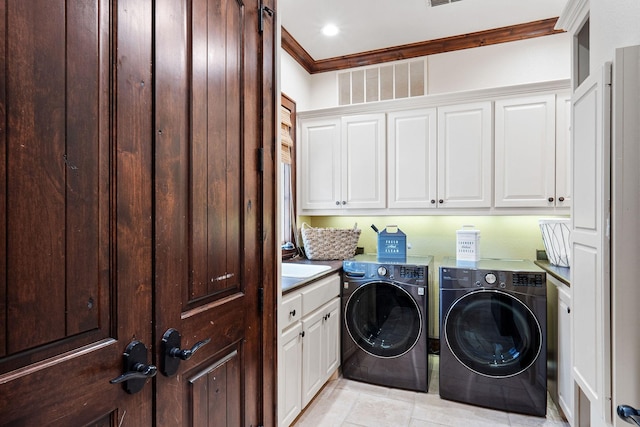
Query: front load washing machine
<point x="384" y="321"/>
<point x="492" y="335"/>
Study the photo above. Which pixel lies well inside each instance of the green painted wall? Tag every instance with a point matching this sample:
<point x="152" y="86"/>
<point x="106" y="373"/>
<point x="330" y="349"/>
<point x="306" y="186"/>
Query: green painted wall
<point x="515" y="237"/>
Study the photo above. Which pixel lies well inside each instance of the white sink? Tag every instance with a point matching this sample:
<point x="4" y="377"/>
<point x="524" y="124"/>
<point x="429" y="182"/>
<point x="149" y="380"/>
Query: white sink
<point x="302" y="270"/>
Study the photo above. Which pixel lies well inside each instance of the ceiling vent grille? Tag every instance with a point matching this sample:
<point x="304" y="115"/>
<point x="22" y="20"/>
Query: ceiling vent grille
<point x="382" y="83"/>
<point x="431" y="3"/>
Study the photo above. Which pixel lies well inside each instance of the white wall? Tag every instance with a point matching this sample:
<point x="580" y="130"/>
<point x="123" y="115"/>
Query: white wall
<point x="527" y="61"/>
<point x="295" y="82"/>
<point x="613" y="24"/>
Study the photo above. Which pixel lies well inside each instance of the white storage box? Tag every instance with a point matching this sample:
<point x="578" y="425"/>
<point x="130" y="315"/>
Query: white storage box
<point x="556" y="236"/>
<point x="468" y="244"/>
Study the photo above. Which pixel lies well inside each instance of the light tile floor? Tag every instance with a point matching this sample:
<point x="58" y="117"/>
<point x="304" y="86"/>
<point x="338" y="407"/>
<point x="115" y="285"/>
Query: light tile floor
<point x="347" y="403"/>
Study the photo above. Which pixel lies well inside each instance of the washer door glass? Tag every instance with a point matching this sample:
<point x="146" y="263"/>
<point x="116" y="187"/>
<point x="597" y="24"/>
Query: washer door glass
<point x="493" y="333"/>
<point x="383" y="319"/>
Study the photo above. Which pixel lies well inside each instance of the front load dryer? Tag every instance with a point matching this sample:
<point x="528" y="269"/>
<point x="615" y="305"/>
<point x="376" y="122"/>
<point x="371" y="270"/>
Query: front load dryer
<point x="492" y="335"/>
<point x="385" y="322"/>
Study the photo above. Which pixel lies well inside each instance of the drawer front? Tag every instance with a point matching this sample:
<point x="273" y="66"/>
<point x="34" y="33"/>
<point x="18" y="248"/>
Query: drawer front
<point x="318" y="294"/>
<point x="291" y="309"/>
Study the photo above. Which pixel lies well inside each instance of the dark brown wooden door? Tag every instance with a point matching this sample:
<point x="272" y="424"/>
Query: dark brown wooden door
<point x="75" y="209"/>
<point x="209" y="209"/>
<point x="136" y="195"/>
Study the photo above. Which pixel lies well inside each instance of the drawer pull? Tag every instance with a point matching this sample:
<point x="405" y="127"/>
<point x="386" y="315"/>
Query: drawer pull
<point x="292" y="313"/>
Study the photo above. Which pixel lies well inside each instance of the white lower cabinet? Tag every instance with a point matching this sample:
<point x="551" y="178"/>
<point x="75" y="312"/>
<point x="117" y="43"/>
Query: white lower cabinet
<point x="319" y="348"/>
<point x="310" y="344"/>
<point x="289" y="381"/>
<point x="559" y="370"/>
<point x="565" y="377"/>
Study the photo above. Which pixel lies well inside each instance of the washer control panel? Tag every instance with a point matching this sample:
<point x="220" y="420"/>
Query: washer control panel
<point x="412" y="274"/>
<point x="468" y="278"/>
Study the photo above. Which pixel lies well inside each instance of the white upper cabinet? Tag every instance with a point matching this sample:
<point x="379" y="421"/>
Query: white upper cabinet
<point x="525" y="152"/>
<point x="495" y="151"/>
<point x="413" y="160"/>
<point x="342" y="163"/>
<point x="363" y="161"/>
<point x="464" y="155"/>
<point x="320" y="181"/>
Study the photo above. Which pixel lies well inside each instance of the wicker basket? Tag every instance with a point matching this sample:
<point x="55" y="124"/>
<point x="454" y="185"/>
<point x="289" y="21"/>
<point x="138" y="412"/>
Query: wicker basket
<point x="330" y="243"/>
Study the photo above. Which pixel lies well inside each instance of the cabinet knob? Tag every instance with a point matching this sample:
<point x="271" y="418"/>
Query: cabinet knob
<point x="344" y="202"/>
<point x="292" y="313"/>
<point x="440" y="201"/>
<point x="337" y="203"/>
<point x="561" y="199"/>
<point x="550" y="199"/>
<point x="433" y="201"/>
<point x="568" y="310"/>
<point x="302" y="334"/>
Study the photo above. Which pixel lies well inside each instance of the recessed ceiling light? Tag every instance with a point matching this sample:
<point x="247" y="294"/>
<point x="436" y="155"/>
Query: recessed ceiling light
<point x="330" y="30"/>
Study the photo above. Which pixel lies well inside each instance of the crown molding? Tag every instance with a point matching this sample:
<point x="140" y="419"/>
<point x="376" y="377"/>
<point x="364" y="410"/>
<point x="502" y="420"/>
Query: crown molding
<point x="573" y="15"/>
<point x="511" y="33"/>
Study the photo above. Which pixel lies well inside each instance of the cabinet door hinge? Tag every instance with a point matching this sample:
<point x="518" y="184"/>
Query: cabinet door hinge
<point x="263" y="9"/>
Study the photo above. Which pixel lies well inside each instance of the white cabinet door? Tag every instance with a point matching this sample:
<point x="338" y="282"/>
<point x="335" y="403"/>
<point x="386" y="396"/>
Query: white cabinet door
<point x="313" y="376"/>
<point x="563" y="151"/>
<point x="590" y="257"/>
<point x="342" y="163"/>
<point x="331" y="339"/>
<point x="319" y="170"/>
<point x="412" y="170"/>
<point x="525" y="151"/>
<point x="565" y="377"/>
<point x="363" y="162"/>
<point x="289" y="380"/>
<point x="464" y="155"/>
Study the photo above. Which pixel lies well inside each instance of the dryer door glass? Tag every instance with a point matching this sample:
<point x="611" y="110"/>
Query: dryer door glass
<point x="383" y="319"/>
<point x="493" y="333"/>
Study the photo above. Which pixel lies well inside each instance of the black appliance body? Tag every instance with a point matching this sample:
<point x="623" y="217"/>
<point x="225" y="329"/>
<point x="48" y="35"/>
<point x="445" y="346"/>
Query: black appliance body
<point x="385" y="322"/>
<point x="493" y="335"/>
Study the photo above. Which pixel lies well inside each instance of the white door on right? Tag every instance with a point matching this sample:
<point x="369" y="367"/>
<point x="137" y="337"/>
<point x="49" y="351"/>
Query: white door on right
<point x="590" y="275"/>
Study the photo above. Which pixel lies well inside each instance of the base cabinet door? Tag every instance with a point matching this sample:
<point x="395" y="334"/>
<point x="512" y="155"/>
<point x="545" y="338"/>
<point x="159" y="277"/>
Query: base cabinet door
<point x="320" y="348"/>
<point x="312" y="369"/>
<point x="331" y="338"/>
<point x="290" y="403"/>
<point x="565" y="377"/>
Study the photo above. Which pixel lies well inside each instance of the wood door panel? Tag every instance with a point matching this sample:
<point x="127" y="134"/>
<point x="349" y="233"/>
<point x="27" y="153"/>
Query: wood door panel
<point x="75" y="180"/>
<point x="216" y="148"/>
<point x="208" y="208"/>
<point x="216" y="392"/>
<point x="56" y="179"/>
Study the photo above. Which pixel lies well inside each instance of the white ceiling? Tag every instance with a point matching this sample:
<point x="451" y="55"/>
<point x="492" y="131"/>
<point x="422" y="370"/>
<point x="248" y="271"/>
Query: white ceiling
<point x="367" y="25"/>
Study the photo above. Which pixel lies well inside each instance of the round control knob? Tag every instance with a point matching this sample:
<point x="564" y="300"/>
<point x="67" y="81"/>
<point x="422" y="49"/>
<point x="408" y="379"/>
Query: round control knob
<point x="490" y="278"/>
<point x="382" y="271"/>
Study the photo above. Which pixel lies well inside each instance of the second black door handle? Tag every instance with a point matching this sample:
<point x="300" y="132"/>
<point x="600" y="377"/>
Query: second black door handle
<point x="172" y="354"/>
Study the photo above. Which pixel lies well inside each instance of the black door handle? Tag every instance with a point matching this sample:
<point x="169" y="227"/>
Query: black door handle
<point x="629" y="414"/>
<point x="136" y="370"/>
<point x="172" y="354"/>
